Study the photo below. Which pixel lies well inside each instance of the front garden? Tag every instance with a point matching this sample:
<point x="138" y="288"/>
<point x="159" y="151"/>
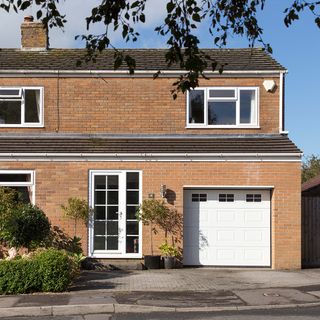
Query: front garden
<point x="35" y="256"/>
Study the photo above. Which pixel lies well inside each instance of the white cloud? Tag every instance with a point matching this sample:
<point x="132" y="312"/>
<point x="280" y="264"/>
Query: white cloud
<point x="76" y="14"/>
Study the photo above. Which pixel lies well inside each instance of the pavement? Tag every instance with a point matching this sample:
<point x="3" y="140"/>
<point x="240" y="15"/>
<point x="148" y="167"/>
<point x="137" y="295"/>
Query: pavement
<point x="177" y="290"/>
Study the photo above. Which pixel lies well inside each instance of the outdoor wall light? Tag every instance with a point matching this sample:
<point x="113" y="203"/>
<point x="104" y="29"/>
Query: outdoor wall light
<point x="163" y="191"/>
<point x="269" y="85"/>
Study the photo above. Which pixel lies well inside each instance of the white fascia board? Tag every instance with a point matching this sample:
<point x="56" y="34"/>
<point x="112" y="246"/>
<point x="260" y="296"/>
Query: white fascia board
<point x="153" y="157"/>
<point x="125" y="73"/>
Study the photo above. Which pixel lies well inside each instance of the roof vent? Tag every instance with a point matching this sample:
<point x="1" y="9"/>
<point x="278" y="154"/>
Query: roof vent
<point x="34" y="35"/>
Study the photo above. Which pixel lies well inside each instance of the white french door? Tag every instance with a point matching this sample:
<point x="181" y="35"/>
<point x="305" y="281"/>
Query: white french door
<point x="114" y="230"/>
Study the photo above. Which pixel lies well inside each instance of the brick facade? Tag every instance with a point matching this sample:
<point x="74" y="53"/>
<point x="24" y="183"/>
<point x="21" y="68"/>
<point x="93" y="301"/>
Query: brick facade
<point x="71" y="179"/>
<point x="140" y="105"/>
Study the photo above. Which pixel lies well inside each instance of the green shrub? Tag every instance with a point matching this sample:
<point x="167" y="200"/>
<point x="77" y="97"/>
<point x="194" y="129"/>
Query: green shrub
<point x="55" y="269"/>
<point x="48" y="271"/>
<point x="26" y="226"/>
<point x="19" y="276"/>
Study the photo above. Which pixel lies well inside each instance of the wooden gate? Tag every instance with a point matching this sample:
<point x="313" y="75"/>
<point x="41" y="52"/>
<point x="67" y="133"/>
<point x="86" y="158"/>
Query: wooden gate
<point x="310" y="231"/>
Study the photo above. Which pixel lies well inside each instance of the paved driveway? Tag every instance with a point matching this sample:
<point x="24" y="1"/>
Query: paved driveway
<point x="197" y="279"/>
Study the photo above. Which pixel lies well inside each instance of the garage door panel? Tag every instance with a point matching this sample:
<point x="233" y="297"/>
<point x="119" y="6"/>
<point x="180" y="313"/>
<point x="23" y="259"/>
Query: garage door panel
<point x="234" y="233"/>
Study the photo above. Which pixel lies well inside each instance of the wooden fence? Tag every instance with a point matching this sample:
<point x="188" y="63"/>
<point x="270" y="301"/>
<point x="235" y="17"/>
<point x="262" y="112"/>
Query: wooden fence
<point x="310" y="231"/>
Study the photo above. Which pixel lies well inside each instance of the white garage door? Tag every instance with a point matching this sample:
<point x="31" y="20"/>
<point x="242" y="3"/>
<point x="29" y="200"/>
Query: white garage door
<point x="227" y="227"/>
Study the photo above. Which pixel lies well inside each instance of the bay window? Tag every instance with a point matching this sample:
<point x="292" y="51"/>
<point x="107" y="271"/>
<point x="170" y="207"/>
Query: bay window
<point x="222" y="107"/>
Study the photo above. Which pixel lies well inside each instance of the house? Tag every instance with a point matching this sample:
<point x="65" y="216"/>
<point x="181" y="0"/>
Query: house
<point x="310" y="209"/>
<point x="221" y="151"/>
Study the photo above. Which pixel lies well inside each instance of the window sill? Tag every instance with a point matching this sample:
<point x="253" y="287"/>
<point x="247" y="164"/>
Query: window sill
<point x="21" y="126"/>
<point x="221" y="127"/>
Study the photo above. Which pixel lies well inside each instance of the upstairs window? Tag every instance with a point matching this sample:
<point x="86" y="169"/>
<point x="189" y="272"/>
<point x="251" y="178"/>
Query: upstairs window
<point x="222" y="107"/>
<point x="21" y="107"/>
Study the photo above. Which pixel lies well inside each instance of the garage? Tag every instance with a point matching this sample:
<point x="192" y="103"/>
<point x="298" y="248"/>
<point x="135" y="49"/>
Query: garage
<point x="227" y="227"/>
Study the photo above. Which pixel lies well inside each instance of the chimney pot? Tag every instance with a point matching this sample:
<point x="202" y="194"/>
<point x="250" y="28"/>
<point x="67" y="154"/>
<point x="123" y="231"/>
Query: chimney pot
<point x="28" y="19"/>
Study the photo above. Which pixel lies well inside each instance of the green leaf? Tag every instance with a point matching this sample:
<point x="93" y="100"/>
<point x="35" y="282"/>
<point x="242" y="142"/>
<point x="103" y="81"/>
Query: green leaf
<point x="196" y="17"/>
<point x="170" y="7"/>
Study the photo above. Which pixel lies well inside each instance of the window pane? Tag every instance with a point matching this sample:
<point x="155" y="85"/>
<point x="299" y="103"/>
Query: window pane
<point x="10" y="92"/>
<point x="131" y="212"/>
<point x="112" y="197"/>
<point x="247" y="106"/>
<point x="100" y="213"/>
<point x="112" y="212"/>
<point x="99" y="243"/>
<point x="132" y="244"/>
<point x="216" y="93"/>
<point x="10" y="112"/>
<point x="15" y="177"/>
<point x="112" y="228"/>
<point x="32" y="105"/>
<point x="100" y="197"/>
<point x="132" y="180"/>
<point x="99" y="228"/>
<point x="132" y="197"/>
<point x="25" y="193"/>
<point x="222" y="113"/>
<point x="100" y="182"/>
<point x="112" y="243"/>
<point x="132" y="227"/>
<point x="113" y="182"/>
<point x="196" y="106"/>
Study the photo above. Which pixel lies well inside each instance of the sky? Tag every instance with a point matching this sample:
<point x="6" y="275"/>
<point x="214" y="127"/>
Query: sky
<point x="297" y="48"/>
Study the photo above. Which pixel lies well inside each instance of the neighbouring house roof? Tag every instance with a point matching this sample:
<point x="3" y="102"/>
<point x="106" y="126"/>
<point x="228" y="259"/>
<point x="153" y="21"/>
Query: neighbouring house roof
<point x="247" y="59"/>
<point x="313" y="183"/>
<point x="95" y="144"/>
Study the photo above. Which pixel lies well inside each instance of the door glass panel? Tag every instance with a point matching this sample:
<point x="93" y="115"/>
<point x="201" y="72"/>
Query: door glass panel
<point x="132" y="228"/>
<point x="112" y="243"/>
<point x="113" y="182"/>
<point x="112" y="197"/>
<point x="133" y="180"/>
<point x="100" y="182"/>
<point x="106" y="223"/>
<point x="132" y="197"/>
<point x="100" y="197"/>
<point x="131" y="212"/>
<point x="132" y="244"/>
<point x="132" y="224"/>
<point x="113" y="212"/>
<point x="100" y="212"/>
<point x="99" y="243"/>
<point x="112" y="229"/>
<point x="99" y="228"/>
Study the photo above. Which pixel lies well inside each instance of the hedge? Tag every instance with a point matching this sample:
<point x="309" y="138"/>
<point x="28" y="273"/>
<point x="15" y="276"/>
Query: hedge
<point x="47" y="271"/>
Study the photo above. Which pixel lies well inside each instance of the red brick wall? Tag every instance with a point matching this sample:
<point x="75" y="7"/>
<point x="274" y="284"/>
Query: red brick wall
<point x="57" y="181"/>
<point x="136" y="105"/>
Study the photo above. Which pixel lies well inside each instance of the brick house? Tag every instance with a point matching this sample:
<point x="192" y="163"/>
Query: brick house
<point x="220" y="151"/>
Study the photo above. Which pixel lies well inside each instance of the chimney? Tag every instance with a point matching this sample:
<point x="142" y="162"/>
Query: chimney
<point x="34" y="35"/>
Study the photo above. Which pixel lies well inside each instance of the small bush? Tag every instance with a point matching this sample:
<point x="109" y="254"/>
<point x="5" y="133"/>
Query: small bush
<point x="55" y="269"/>
<point x="19" y="276"/>
<point x="26" y="226"/>
<point x="48" y="271"/>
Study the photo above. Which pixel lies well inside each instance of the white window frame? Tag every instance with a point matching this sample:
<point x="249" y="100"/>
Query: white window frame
<point x="120" y="253"/>
<point x="24" y="124"/>
<point x="255" y="124"/>
<point x="30" y="183"/>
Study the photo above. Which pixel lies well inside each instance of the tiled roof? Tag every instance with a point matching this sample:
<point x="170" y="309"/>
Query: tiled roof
<point x="117" y="145"/>
<point x="312" y="183"/>
<point x="146" y="59"/>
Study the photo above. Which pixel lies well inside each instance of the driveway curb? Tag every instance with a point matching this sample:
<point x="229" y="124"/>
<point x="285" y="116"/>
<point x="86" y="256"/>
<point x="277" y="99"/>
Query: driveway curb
<point x="66" y="310"/>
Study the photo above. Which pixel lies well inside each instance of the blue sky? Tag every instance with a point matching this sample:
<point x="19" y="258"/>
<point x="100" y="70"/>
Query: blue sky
<point x="297" y="48"/>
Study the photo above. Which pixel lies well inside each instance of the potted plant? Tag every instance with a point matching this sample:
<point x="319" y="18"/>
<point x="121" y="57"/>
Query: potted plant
<point x="158" y="215"/>
<point x="170" y="254"/>
<point x="150" y="213"/>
